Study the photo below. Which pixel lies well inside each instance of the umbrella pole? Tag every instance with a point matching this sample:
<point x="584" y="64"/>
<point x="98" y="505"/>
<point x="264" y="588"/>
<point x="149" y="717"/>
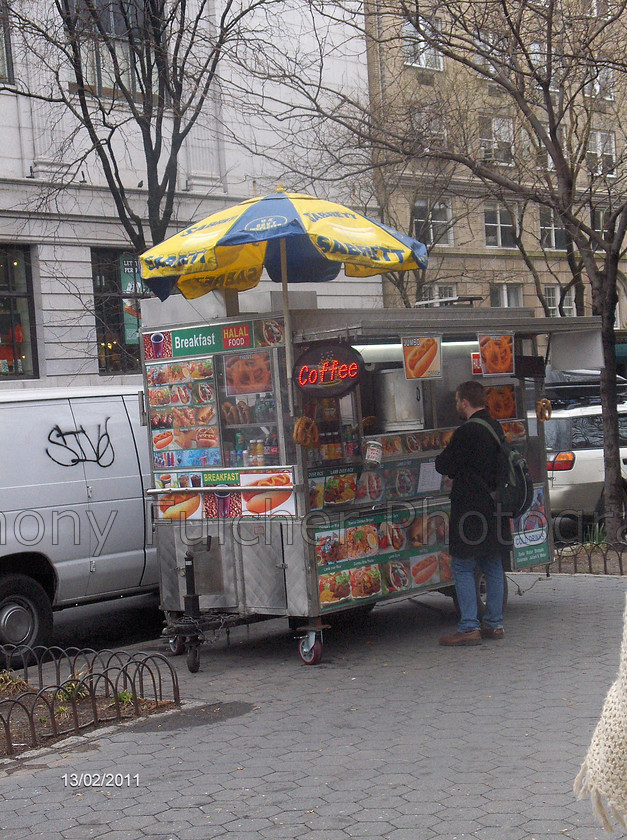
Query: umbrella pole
<point x="287" y="320"/>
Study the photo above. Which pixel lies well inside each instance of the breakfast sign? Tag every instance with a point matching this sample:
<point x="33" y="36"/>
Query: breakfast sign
<point x="207" y="339"/>
<point x="231" y="494"/>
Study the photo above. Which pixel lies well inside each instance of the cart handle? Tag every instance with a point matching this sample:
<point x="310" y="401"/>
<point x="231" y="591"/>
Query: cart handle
<point x="253" y="488"/>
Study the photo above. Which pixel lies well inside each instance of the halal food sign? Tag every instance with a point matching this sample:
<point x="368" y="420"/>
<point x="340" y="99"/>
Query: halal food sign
<point x="328" y="370"/>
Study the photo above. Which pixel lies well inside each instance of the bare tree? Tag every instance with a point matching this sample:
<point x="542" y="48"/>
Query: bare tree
<point x="124" y="83"/>
<point x="531" y="106"/>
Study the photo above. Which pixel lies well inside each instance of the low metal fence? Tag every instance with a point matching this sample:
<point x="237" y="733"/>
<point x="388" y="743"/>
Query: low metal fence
<point x="50" y="693"/>
<point x="590" y="558"/>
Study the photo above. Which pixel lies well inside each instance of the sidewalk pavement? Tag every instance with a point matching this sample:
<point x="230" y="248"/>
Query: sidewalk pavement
<point x="391" y="736"/>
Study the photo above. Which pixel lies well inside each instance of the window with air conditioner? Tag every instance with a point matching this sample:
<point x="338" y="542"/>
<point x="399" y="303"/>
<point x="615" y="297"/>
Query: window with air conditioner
<point x="496" y="139"/>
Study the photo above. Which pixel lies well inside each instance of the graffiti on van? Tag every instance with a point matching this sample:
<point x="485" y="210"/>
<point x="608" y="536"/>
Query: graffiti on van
<point x="77" y="447"/>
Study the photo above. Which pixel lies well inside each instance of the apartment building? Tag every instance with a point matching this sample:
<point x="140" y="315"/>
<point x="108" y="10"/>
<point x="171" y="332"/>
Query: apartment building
<point x="429" y="93"/>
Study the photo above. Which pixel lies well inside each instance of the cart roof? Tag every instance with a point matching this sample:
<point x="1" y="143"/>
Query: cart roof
<point x="379" y="325"/>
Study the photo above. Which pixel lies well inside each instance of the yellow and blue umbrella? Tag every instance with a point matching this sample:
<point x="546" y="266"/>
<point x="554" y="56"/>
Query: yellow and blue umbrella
<point x="296" y="238"/>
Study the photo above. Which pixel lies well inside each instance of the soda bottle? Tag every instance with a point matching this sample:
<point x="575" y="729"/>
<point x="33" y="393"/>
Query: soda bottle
<point x="260" y="454"/>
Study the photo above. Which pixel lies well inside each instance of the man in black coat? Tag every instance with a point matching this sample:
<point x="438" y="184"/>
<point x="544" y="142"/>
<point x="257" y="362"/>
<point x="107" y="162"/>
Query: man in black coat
<point x="479" y="534"/>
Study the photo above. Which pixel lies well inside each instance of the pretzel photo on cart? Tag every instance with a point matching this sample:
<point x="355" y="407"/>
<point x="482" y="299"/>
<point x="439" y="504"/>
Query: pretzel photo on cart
<point x="248" y="373"/>
<point x="501" y="402"/>
<point x="497" y="353"/>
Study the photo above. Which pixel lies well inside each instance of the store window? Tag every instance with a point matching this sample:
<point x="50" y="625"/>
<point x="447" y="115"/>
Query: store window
<point x="18" y="357"/>
<point x="499" y="226"/>
<point x="552" y="298"/>
<point x="117" y="291"/>
<point x="433" y="222"/>
<point x="507" y="295"/>
<point x="552" y="234"/>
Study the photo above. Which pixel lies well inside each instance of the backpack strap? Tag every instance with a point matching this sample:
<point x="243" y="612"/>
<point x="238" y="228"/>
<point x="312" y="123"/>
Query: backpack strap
<point x="487" y="426"/>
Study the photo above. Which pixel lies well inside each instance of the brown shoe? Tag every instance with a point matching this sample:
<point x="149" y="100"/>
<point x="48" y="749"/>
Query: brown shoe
<point x="471" y="637"/>
<point x="488" y="632"/>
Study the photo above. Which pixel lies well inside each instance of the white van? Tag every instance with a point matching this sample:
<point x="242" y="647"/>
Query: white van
<point x="75" y="523"/>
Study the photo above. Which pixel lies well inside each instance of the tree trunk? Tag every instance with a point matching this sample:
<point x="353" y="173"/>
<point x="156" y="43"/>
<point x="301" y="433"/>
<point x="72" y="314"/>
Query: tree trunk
<point x="614" y="525"/>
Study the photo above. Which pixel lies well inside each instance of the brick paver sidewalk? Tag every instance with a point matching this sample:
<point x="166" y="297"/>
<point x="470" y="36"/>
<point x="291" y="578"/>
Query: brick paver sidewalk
<point x="391" y="736"/>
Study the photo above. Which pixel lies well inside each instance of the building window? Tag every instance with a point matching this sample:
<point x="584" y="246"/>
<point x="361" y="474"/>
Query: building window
<point x="433" y="222"/>
<point x="100" y="53"/>
<point x="496" y="139"/>
<point x="602" y="86"/>
<point x="18" y="357"/>
<point x="552" y="234"/>
<point x="506" y="294"/>
<point x="601" y="156"/>
<point x="416" y="50"/>
<point x="117" y="291"/>
<point x="552" y="298"/>
<point x="499" y="226"/>
<point x="439" y="294"/>
<point x="6" y="73"/>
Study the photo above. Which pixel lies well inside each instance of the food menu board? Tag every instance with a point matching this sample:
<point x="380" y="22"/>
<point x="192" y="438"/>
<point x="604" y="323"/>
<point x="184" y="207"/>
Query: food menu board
<point x="383" y="554"/>
<point x="183" y="420"/>
<point x="393" y="481"/>
<point x="267" y="493"/>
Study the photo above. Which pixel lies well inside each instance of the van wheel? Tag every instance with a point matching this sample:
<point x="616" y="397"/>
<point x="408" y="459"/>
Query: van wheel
<point x="25" y="612"/>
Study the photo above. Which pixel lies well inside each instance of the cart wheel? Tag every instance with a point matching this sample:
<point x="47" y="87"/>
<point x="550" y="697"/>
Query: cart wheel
<point x="193" y="659"/>
<point x="176" y="645"/>
<point x="310" y="654"/>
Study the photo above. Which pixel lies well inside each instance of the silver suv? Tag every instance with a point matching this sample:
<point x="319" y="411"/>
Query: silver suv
<point x="574" y="443"/>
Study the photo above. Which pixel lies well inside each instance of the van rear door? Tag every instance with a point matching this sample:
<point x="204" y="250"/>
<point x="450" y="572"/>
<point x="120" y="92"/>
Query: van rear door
<point x="116" y="500"/>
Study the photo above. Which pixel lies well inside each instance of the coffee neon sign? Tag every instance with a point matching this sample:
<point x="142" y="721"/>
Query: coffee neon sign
<point x="328" y="370"/>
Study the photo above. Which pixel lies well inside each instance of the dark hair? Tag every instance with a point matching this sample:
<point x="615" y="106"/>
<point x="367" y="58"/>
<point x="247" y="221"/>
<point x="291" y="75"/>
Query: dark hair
<point x="472" y="391"/>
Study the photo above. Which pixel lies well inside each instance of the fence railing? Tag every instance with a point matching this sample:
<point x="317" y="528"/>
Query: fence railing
<point x="590" y="558"/>
<point x="49" y="693"/>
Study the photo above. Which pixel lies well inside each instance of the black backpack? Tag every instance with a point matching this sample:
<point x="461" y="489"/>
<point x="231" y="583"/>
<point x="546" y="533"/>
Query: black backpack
<point x="514" y="487"/>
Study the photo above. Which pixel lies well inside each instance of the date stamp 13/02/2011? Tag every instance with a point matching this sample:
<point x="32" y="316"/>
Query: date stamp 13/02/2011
<point x="102" y="779"/>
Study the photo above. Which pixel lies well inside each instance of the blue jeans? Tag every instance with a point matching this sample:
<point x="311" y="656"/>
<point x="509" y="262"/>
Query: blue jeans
<point x="464" y="574"/>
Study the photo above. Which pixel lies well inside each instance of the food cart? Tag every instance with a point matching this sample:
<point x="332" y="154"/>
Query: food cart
<point x="263" y="510"/>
